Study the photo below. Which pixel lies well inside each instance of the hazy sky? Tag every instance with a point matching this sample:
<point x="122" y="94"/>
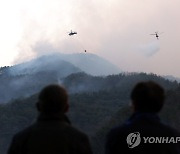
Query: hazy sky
<point x="118" y="30"/>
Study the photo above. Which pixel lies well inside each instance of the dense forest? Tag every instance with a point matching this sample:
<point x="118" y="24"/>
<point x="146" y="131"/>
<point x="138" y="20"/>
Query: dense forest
<point x="97" y="103"/>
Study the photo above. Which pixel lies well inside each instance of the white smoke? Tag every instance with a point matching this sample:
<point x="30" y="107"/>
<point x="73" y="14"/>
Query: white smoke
<point x="111" y="29"/>
<point x="150" y="48"/>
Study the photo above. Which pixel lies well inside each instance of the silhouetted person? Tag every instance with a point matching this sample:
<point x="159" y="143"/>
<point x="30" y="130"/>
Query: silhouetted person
<point x="147" y="100"/>
<point x="52" y="133"/>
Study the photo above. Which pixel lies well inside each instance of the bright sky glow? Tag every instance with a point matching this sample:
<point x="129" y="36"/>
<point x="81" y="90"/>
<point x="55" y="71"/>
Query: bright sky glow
<point x="118" y="30"/>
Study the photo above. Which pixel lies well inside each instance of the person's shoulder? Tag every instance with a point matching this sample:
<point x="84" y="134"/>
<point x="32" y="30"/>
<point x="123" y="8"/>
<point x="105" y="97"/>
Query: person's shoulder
<point x="24" y="132"/>
<point x="21" y="137"/>
<point x="169" y="130"/>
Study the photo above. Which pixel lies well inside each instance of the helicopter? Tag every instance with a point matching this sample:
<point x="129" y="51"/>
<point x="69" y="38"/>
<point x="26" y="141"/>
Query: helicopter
<point x="72" y="33"/>
<point x="156" y="34"/>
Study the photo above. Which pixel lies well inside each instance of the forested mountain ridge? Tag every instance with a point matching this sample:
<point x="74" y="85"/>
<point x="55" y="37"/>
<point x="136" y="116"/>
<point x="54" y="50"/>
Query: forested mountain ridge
<point x="28" y="78"/>
<point x="89" y="63"/>
<point x="97" y="103"/>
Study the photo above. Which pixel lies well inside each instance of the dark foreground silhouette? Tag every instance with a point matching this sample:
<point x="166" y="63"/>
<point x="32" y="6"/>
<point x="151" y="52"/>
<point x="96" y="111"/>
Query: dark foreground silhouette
<point x="52" y="133"/>
<point x="143" y="132"/>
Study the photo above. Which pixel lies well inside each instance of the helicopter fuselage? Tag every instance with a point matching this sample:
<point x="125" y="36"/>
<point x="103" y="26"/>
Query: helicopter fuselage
<point x="72" y="33"/>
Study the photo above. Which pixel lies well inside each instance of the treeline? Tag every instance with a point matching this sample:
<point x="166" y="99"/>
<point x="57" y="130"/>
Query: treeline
<point x="96" y="105"/>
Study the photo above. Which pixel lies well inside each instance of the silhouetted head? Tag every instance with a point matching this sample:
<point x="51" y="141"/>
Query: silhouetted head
<point x="147" y="97"/>
<point x="53" y="99"/>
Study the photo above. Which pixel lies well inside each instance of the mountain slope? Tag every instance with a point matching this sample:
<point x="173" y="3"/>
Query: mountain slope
<point x="88" y="63"/>
<point x="91" y="110"/>
<point x="27" y="78"/>
<point x="44" y="63"/>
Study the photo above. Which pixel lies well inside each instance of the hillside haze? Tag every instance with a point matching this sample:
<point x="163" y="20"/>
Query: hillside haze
<point x="98" y="96"/>
<point x="96" y="104"/>
<point x="88" y="63"/>
<point x="27" y="78"/>
<point x="97" y="101"/>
